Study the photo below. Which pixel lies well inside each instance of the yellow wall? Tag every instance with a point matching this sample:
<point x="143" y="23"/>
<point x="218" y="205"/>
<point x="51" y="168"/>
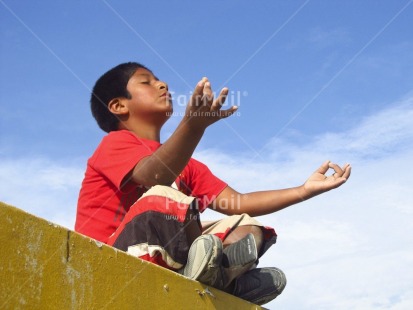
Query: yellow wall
<point x="45" y="266"/>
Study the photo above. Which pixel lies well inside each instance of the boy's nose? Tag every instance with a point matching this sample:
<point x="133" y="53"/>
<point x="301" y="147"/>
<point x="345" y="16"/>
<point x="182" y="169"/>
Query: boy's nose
<point x="162" y="85"/>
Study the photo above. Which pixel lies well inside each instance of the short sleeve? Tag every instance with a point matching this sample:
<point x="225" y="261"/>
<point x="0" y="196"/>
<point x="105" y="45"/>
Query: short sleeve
<point x="118" y="154"/>
<point x="203" y="183"/>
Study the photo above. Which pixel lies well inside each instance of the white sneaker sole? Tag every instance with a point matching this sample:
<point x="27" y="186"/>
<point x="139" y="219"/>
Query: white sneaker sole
<point x="204" y="259"/>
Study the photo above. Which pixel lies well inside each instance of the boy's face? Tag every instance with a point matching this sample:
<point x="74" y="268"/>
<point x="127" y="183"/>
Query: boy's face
<point x="150" y="97"/>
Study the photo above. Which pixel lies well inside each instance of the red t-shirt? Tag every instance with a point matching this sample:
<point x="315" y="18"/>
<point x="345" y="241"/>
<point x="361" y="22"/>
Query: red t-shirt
<point x="102" y="203"/>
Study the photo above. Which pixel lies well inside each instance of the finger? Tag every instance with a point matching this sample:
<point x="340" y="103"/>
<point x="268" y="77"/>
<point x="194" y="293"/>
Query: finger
<point x="324" y="167"/>
<point x="217" y="104"/>
<point x="228" y="112"/>
<point x="338" y="172"/>
<point x="200" y="86"/>
<point x="208" y="96"/>
<point x="347" y="171"/>
<point x="198" y="91"/>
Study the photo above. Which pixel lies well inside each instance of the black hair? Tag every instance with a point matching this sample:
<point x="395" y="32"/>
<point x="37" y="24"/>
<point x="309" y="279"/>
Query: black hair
<point x="111" y="85"/>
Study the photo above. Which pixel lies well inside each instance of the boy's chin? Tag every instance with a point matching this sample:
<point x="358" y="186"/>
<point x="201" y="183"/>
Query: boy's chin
<point x="168" y="106"/>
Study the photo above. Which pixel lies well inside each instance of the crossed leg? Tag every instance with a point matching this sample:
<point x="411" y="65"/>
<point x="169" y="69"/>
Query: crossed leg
<point x="241" y="231"/>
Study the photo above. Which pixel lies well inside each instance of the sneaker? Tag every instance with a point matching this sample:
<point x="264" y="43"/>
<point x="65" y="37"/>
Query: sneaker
<point x="260" y="285"/>
<point x="204" y="261"/>
<point x="241" y="253"/>
<point x="238" y="258"/>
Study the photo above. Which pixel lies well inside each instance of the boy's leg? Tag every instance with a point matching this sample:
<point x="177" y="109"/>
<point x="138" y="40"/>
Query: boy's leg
<point x="260" y="285"/>
<point x="205" y="261"/>
<point x="241" y="231"/>
<point x="238" y="240"/>
<point x="236" y="232"/>
<point x="159" y="227"/>
<point x="234" y="228"/>
<point x="163" y="227"/>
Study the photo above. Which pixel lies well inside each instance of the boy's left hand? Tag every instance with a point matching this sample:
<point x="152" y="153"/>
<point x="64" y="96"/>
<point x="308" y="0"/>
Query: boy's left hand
<point x="319" y="182"/>
<point x="203" y="109"/>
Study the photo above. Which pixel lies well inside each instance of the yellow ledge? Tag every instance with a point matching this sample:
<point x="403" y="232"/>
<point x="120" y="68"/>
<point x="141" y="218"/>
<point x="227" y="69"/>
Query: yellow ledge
<point x="45" y="266"/>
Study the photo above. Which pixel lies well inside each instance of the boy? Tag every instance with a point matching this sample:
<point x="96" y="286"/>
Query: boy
<point x="145" y="197"/>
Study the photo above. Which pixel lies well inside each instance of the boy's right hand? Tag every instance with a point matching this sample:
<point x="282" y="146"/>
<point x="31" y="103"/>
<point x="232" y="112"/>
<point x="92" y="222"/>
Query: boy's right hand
<point x="203" y="110"/>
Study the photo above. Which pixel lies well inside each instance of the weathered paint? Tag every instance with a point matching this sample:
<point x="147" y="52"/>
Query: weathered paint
<point x="45" y="266"/>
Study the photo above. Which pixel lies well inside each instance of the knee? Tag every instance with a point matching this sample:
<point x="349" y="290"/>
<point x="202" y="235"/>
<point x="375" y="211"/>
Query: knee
<point x="258" y="235"/>
<point x="241" y="231"/>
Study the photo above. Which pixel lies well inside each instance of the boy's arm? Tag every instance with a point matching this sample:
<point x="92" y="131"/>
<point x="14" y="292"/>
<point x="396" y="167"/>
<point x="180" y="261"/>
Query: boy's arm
<point x="231" y="202"/>
<point x="168" y="161"/>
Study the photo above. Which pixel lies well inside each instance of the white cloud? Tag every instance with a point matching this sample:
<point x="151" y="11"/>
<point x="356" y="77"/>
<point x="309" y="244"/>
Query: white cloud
<point x="362" y="281"/>
<point x="42" y="187"/>
<point x="349" y="248"/>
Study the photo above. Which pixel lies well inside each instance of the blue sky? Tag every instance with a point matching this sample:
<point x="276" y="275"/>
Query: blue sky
<point x="314" y="80"/>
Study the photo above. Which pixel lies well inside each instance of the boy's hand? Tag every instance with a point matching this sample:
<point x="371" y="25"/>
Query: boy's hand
<point x="203" y="110"/>
<point x="319" y="183"/>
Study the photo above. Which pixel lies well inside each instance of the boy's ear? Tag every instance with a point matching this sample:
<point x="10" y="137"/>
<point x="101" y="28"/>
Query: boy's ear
<point x="117" y="106"/>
